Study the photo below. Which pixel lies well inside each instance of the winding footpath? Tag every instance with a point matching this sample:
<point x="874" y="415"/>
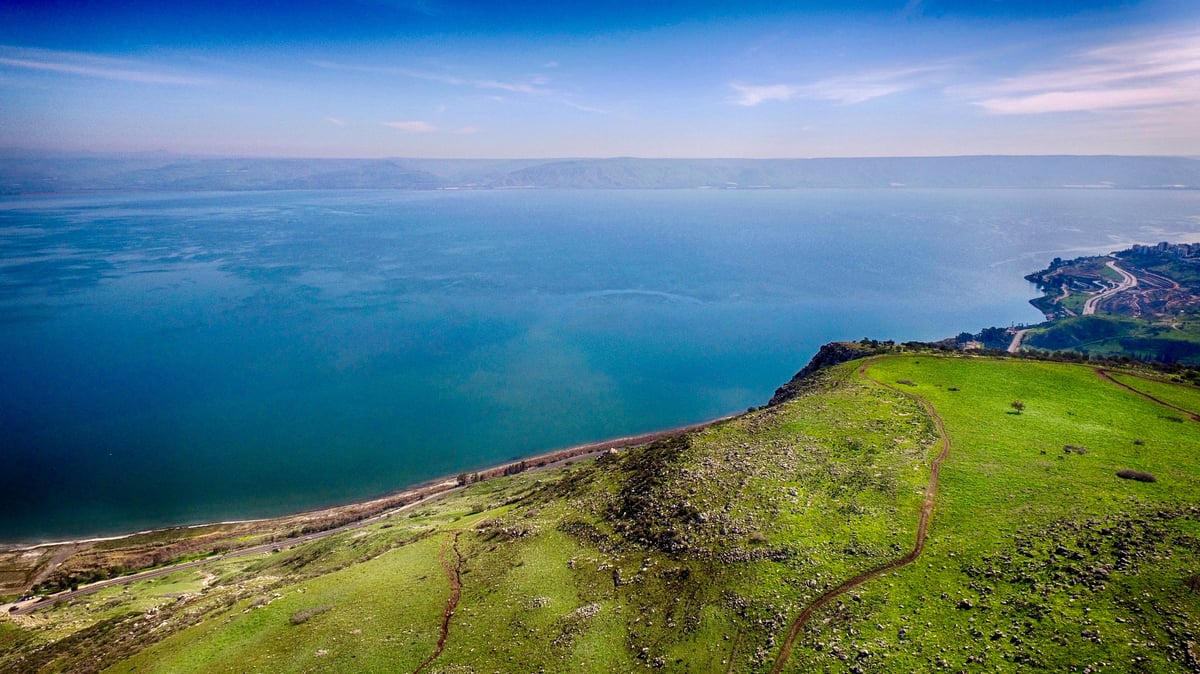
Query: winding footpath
<point x="1103" y="374"/>
<point x="454" y="574"/>
<point x="922" y="528"/>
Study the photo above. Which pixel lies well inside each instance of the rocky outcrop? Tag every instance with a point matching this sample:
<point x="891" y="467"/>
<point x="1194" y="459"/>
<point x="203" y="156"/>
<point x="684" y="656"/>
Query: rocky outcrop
<point x="827" y="356"/>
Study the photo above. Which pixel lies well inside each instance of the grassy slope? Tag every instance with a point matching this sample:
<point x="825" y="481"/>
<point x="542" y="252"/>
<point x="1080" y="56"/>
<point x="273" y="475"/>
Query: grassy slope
<point x="1027" y="560"/>
<point x="1115" y="336"/>
<point x="694" y="555"/>
<point x="1182" y="397"/>
<point x="751" y="519"/>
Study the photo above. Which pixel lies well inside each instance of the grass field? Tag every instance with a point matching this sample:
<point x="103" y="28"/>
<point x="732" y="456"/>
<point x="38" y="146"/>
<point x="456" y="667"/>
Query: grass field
<point x="1041" y="555"/>
<point x="694" y="554"/>
<point x="1116" y="336"/>
<point x="1181" y="397"/>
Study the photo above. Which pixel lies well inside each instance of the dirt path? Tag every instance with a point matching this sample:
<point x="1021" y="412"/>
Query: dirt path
<point x="60" y="555"/>
<point x="1103" y="374"/>
<point x="454" y="574"/>
<point x="922" y="530"/>
<point x="733" y="651"/>
<point x="1063" y="298"/>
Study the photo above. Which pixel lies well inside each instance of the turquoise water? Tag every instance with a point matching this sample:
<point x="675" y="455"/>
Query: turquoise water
<point x="170" y="359"/>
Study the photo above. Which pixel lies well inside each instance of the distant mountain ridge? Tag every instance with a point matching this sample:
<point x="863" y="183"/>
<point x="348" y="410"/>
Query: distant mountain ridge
<point x="26" y="173"/>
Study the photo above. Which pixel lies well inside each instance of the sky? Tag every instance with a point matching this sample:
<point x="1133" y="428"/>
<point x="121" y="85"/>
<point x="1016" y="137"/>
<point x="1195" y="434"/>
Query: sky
<point x="433" y="78"/>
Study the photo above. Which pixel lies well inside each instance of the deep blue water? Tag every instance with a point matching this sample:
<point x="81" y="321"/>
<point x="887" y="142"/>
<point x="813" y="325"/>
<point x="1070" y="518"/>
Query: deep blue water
<point x="169" y="359"/>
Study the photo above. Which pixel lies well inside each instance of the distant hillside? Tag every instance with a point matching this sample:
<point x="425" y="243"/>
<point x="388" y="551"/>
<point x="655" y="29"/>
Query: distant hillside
<point x="24" y="173"/>
<point x="1029" y="172"/>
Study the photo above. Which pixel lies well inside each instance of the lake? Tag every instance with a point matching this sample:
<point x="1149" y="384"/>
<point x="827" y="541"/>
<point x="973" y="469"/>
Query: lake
<point x="187" y="357"/>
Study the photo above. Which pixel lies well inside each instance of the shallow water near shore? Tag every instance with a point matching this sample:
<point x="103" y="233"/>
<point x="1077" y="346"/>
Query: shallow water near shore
<point x="177" y="358"/>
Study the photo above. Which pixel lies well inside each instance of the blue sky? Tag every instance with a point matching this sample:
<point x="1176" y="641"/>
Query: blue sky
<point x="426" y="78"/>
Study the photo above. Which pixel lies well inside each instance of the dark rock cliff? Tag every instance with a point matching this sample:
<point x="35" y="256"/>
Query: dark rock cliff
<point x="827" y="356"/>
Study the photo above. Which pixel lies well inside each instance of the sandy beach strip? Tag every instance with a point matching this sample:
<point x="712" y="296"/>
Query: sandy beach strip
<point x="420" y="490"/>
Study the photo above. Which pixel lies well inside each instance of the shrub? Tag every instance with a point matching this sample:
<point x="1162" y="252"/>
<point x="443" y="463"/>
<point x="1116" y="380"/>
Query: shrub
<point x="303" y="615"/>
<point x="515" y="468"/>
<point x="1136" y="475"/>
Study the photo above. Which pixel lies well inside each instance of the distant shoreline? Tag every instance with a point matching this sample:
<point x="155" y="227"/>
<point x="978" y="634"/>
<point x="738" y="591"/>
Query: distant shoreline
<point x="420" y="490"/>
<point x="168" y="173"/>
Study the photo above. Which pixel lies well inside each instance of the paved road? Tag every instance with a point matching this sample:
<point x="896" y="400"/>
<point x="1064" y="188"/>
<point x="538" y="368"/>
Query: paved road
<point x="47" y="602"/>
<point x="1019" y="335"/>
<point x="1127" y="281"/>
<point x="553" y="459"/>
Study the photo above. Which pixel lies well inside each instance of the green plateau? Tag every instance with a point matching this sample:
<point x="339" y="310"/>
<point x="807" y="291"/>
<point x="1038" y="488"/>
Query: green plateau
<point x="1063" y="534"/>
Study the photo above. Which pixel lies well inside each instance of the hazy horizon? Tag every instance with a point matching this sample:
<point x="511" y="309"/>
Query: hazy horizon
<point x="17" y="151"/>
<point x="452" y="80"/>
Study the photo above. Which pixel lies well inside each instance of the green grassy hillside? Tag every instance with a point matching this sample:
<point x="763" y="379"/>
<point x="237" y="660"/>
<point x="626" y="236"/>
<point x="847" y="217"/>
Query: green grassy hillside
<point x="1175" y="341"/>
<point x="697" y="553"/>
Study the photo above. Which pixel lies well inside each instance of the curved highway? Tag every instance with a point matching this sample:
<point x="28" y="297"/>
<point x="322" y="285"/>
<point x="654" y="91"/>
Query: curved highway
<point x="1127" y="281"/>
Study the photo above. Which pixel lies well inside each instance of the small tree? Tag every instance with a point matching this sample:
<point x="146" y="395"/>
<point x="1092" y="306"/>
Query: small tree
<point x="1017" y="405"/>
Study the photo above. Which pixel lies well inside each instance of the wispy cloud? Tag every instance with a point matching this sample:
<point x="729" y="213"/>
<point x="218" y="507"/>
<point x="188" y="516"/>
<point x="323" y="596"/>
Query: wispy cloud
<point x="865" y="86"/>
<point x="539" y="86"/>
<point x="1161" y="70"/>
<point x="754" y="94"/>
<point x="336" y="121"/>
<point x="415" y="126"/>
<point x="89" y="65"/>
<point x="535" y="85"/>
<point x="418" y="126"/>
<point x="847" y="89"/>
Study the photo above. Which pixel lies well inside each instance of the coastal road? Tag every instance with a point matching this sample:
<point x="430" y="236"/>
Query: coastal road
<point x="1127" y="281"/>
<point x="1019" y="335"/>
<point x="47" y="602"/>
<point x="552" y="460"/>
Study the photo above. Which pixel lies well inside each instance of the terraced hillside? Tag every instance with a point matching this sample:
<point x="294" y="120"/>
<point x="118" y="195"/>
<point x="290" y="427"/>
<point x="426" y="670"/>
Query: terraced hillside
<point x="701" y="552"/>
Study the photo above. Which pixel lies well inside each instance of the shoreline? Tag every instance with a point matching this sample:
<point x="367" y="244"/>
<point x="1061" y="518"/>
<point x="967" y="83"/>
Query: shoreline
<point x="420" y="490"/>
